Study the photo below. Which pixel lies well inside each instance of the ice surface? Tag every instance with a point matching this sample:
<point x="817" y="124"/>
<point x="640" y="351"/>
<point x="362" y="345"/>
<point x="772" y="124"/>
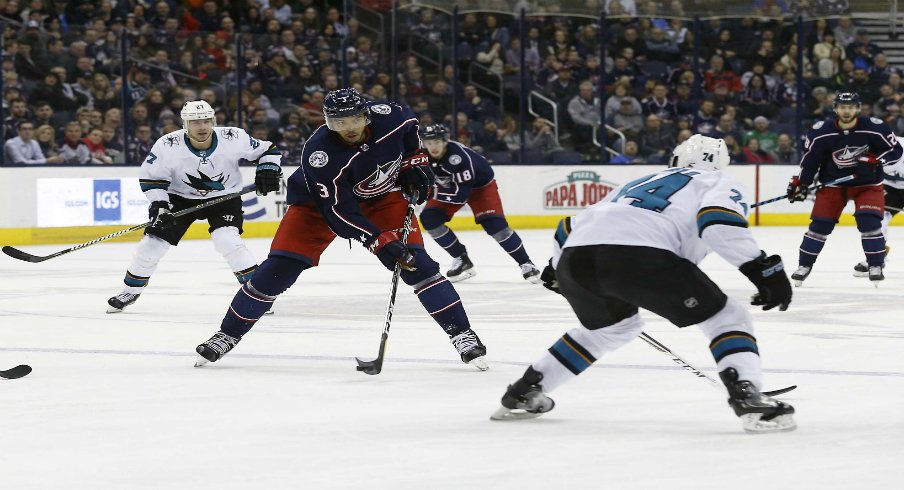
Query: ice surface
<point x="114" y="402"/>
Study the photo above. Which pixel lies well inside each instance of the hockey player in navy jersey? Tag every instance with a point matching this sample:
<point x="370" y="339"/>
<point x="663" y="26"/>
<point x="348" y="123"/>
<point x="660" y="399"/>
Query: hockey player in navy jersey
<point x="188" y="167"/>
<point x="353" y="173"/>
<point x="463" y="176"/>
<point x="638" y="248"/>
<point x="837" y="147"/>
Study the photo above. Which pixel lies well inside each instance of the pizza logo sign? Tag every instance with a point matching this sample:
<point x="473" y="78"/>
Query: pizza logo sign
<point x="580" y="189"/>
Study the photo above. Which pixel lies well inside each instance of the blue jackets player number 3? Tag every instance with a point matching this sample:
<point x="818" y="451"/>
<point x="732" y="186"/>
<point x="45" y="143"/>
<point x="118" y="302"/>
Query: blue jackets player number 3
<point x="355" y="173"/>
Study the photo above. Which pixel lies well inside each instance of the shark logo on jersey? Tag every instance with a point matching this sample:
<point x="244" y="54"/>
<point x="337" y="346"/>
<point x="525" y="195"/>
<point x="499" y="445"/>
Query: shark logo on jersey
<point x="229" y="133"/>
<point x="204" y="184"/>
<point x="171" y="141"/>
<point x="381" y="108"/>
<point x="381" y="181"/>
<point x="318" y="159"/>
<point x="847" y="156"/>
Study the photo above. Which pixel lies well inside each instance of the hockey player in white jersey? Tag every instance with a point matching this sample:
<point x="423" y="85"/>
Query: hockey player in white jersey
<point x="639" y="249"/>
<point x="188" y="167"/>
<point x="894" y="202"/>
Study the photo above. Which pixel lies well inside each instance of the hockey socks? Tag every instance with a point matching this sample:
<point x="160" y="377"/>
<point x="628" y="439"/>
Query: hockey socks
<point x="511" y="243"/>
<point x="874" y="247"/>
<point x="247" y="307"/>
<point x="446" y="238"/>
<point x="580" y="347"/>
<point x="810" y="248"/>
<point x="443" y="303"/>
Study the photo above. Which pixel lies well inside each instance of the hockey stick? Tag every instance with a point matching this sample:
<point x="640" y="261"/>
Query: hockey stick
<point x="696" y="372"/>
<point x="375" y="366"/>
<point x="16" y="372"/>
<point x="27" y="257"/>
<point x="814" y="188"/>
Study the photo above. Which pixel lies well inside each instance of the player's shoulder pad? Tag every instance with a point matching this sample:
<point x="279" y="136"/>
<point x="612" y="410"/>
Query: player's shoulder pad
<point x="318" y="148"/>
<point x="818" y="124"/>
<point x="390" y="111"/>
<point x="172" y="139"/>
<point x="230" y="133"/>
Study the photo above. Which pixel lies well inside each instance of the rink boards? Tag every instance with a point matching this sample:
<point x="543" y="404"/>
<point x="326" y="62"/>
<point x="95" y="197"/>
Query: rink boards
<point x="74" y="204"/>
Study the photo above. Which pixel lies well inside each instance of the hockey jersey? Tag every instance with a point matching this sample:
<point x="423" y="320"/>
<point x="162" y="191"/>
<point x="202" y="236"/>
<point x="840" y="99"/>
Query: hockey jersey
<point x="894" y="173"/>
<point x="174" y="166"/>
<point x="336" y="176"/>
<point x="688" y="212"/>
<point x="459" y="172"/>
<point x="832" y="152"/>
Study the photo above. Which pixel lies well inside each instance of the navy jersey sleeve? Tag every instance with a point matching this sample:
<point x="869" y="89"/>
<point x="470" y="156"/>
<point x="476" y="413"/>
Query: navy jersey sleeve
<point x="331" y="191"/>
<point x="412" y="139"/>
<point x="816" y="149"/>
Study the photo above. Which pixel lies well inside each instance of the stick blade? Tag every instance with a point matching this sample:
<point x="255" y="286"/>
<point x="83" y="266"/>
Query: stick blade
<point x="20" y="255"/>
<point x="780" y="391"/>
<point x="16" y="372"/>
<point x="370" y="367"/>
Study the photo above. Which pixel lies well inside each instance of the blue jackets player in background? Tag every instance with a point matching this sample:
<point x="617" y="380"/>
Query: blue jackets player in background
<point x="837" y="147"/>
<point x="353" y="171"/>
<point x="463" y="176"/>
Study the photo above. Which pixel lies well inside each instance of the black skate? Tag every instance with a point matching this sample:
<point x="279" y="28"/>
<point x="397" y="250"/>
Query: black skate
<point x="862" y="268"/>
<point x="524" y="399"/>
<point x="462" y="268"/>
<point x="530" y="272"/>
<point x="471" y="349"/>
<point x="120" y="301"/>
<point x="876" y="275"/>
<point x="215" y="348"/>
<point x="801" y="274"/>
<point x="758" y="412"/>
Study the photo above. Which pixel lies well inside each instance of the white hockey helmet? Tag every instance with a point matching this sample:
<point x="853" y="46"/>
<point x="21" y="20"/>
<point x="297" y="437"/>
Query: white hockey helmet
<point x="194" y="110"/>
<point x="701" y="153"/>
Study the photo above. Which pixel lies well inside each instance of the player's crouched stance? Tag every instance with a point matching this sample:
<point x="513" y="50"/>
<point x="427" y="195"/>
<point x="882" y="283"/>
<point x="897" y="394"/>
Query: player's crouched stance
<point x="685" y="212"/>
<point x="184" y="169"/>
<point x="349" y="183"/>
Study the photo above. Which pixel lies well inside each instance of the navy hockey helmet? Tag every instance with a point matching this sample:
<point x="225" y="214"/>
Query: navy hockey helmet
<point x="852" y="98"/>
<point x="435" y="132"/>
<point x="344" y="103"/>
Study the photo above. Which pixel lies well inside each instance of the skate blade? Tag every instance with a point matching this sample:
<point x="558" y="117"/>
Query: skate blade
<point x="200" y="361"/>
<point x="798" y="283"/>
<point x="268" y="312"/>
<point x="113" y="309"/>
<point x="464" y="275"/>
<point x="534" y="279"/>
<point x="480" y="363"/>
<point x="503" y="414"/>
<point x="861" y="274"/>
<point x="754" y="425"/>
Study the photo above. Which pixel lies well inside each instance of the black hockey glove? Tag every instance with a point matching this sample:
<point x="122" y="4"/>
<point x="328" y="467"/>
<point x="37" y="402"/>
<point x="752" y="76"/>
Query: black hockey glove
<point x="159" y="213"/>
<point x="549" y="279"/>
<point x="267" y="178"/>
<point x="391" y="251"/>
<point x="769" y="277"/>
<point x="797" y="191"/>
<point x="416" y="175"/>
<point x="868" y="167"/>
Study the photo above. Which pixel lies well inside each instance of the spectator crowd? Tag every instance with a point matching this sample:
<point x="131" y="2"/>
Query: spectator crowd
<point x="65" y="83"/>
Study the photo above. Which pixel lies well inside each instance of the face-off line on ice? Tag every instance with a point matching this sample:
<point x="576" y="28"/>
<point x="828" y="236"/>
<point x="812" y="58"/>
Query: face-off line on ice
<point x="363" y="171"/>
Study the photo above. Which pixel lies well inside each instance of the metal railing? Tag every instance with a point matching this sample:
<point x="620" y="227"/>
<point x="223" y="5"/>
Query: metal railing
<point x="621" y="138"/>
<point x="486" y="72"/>
<point x="552" y="103"/>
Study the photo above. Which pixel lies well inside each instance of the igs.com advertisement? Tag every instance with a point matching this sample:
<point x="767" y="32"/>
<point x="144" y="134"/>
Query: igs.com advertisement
<point x="86" y="202"/>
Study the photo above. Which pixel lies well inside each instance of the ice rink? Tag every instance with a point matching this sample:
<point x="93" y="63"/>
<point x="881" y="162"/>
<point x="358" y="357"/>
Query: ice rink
<point x="114" y="402"/>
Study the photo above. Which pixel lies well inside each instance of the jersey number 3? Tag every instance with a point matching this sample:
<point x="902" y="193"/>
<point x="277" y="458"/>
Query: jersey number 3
<point x="654" y="195"/>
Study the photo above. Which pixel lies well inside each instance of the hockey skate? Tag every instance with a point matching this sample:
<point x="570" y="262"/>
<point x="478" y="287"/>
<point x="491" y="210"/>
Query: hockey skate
<point x="800" y="275"/>
<point x="215" y="348"/>
<point x="530" y="272"/>
<point x="876" y="275"/>
<point x="471" y="349"/>
<point x="524" y="399"/>
<point x="862" y="269"/>
<point x="120" y="301"/>
<point x="462" y="268"/>
<point x="759" y="413"/>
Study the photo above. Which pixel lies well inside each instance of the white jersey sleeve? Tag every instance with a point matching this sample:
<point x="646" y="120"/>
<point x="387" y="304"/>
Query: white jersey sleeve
<point x="722" y="222"/>
<point x="156" y="174"/>
<point x="258" y="151"/>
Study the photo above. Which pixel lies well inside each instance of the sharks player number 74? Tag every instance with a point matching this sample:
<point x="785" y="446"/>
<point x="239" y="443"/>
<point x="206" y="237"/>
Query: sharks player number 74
<point x="188" y="167"/>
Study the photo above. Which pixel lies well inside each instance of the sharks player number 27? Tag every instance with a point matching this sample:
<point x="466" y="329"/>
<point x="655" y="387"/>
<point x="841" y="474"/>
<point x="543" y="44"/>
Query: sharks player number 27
<point x="847" y="144"/>
<point x="188" y="167"/>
